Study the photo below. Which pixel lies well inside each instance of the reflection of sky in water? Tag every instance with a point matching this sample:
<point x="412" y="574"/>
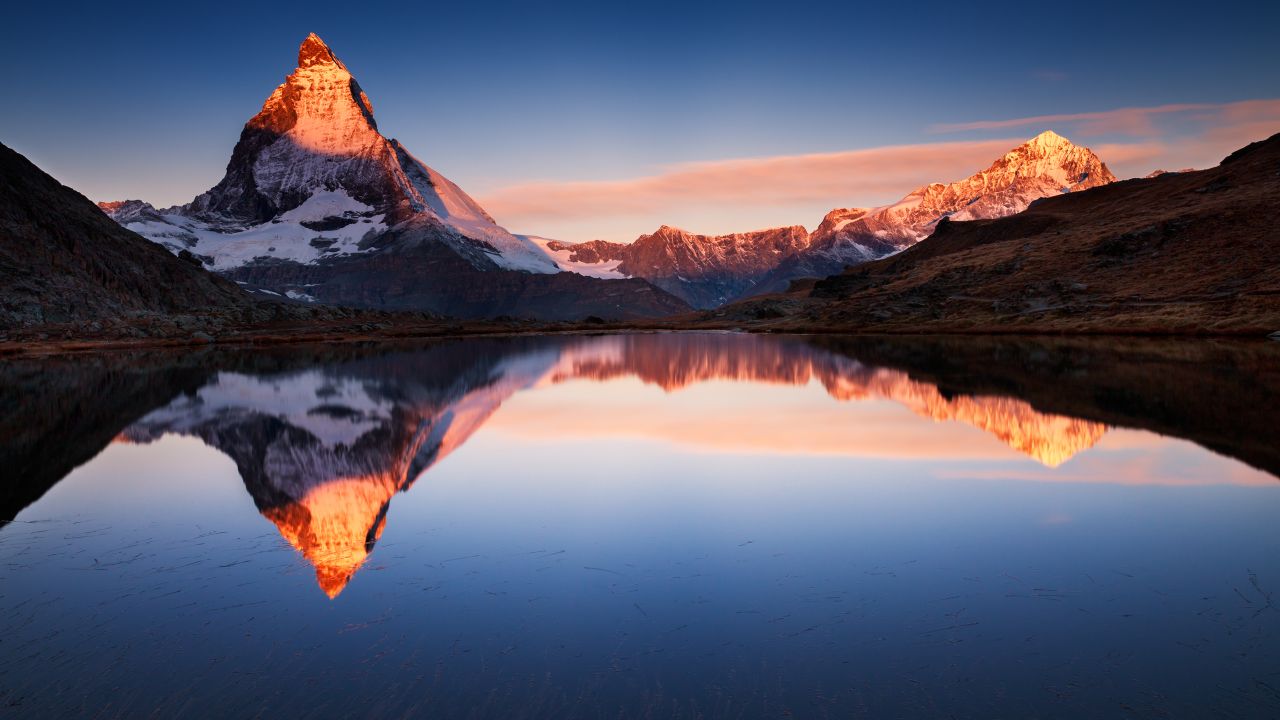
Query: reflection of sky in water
<point x="728" y="549"/>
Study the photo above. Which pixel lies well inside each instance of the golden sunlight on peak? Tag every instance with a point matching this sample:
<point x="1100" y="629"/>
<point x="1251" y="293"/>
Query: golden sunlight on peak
<point x="1050" y="439"/>
<point x="335" y="525"/>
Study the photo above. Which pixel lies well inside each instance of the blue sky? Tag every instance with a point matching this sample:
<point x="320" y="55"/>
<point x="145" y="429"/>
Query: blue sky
<point x="509" y="100"/>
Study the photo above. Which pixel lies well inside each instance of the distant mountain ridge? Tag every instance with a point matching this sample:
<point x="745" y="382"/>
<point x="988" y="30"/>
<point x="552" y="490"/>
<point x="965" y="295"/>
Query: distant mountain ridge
<point x="703" y="270"/>
<point x="317" y="205"/>
<point x="1179" y="253"/>
<point x="708" y="271"/>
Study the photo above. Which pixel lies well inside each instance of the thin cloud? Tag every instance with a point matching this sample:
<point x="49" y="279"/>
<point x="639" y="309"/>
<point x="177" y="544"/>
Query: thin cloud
<point x="1128" y="121"/>
<point x="838" y="178"/>
<point x="1049" y="75"/>
<point x="1132" y="121"/>
<point x="797" y="188"/>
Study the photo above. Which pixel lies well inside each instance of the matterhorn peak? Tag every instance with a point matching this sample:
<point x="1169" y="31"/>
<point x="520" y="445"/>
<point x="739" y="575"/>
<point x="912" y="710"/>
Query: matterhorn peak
<point x="314" y="51"/>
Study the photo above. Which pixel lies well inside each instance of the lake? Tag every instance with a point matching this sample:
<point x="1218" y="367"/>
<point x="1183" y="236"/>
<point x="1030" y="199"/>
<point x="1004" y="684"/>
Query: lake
<point x="644" y="526"/>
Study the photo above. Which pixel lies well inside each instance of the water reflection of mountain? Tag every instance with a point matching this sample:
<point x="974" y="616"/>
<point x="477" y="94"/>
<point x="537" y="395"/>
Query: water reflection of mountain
<point x="1222" y="395"/>
<point x="322" y="451"/>
<point x="323" y="439"/>
<point x="674" y="362"/>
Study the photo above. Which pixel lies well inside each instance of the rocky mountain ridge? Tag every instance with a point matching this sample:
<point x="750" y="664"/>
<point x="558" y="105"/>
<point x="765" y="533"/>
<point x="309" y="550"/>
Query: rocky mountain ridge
<point x="63" y="263"/>
<point x="708" y="271"/>
<point x="704" y="270"/>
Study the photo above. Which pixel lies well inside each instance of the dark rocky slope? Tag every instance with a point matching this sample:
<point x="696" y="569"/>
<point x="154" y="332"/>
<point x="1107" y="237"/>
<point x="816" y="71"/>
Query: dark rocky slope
<point x="63" y="262"/>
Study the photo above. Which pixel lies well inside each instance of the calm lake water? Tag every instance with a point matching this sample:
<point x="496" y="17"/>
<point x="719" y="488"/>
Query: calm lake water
<point x="645" y="526"/>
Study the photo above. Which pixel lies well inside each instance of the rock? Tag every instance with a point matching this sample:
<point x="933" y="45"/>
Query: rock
<point x="62" y="260"/>
<point x="201" y="336"/>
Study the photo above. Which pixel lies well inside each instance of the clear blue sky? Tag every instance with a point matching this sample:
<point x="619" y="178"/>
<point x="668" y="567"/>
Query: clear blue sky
<point x="147" y="101"/>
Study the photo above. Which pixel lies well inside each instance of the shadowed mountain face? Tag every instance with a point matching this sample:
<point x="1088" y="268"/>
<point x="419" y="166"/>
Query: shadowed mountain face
<point x="63" y="263"/>
<point x="324" y="439"/>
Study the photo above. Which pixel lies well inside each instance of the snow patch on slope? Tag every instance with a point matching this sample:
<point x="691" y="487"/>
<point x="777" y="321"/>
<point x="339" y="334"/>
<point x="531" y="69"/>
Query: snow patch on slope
<point x="433" y="193"/>
<point x="562" y="258"/>
<point x="286" y="238"/>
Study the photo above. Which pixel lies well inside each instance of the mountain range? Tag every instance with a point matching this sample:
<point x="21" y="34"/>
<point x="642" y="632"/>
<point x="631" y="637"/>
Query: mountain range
<point x="319" y="216"/>
<point x="709" y="271"/>
<point x="318" y="206"/>
<point x="1190" y="252"/>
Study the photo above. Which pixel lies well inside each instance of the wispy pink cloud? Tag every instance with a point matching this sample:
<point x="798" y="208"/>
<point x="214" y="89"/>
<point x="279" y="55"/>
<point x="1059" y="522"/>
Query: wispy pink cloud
<point x="1128" y="121"/>
<point x="1132" y="121"/>
<point x="838" y="178"/>
<point x="735" y="194"/>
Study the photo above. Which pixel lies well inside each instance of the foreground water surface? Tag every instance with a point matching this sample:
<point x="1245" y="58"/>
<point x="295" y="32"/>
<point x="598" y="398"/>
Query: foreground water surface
<point x="681" y="525"/>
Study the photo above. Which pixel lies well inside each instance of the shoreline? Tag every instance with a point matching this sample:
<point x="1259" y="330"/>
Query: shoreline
<point x="275" y="337"/>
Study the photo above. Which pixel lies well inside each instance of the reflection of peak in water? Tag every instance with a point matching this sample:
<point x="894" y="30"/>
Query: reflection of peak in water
<point x="1048" y="438"/>
<point x="335" y="526"/>
<point x="676" y="361"/>
<point x="322" y="451"/>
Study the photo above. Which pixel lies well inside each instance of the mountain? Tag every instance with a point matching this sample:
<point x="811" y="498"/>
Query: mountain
<point x="317" y="205"/>
<point x="1044" y="166"/>
<point x="64" y="264"/>
<point x="709" y="271"/>
<point x="703" y="270"/>
<point x="1187" y="252"/>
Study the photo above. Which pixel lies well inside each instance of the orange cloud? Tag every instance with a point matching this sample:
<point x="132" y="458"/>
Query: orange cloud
<point x="830" y="179"/>
<point x="1136" y="121"/>
<point x="1196" y="135"/>
<point x="740" y="194"/>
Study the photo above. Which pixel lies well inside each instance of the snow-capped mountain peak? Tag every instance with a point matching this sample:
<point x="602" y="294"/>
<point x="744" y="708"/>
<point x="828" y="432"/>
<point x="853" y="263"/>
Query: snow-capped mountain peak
<point x="315" y="148"/>
<point x="1049" y="155"/>
<point x="1048" y="140"/>
<point x="314" y="51"/>
<point x="1047" y="164"/>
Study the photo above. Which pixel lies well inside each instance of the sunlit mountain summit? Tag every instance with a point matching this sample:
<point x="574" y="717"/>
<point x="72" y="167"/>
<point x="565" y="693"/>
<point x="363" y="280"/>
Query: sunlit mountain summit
<point x="316" y="204"/>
